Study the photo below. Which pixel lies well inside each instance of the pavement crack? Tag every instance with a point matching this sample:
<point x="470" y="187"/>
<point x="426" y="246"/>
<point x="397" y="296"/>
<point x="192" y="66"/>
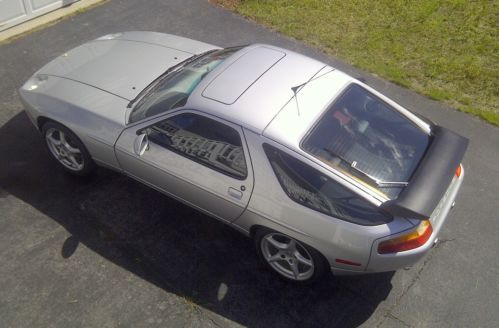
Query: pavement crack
<point x="443" y="241"/>
<point x="388" y="312"/>
<point x="405" y="324"/>
<point x="204" y="315"/>
<point x="213" y="321"/>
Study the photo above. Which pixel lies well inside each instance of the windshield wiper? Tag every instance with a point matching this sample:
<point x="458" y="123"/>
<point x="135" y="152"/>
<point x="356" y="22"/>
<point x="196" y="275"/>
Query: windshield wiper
<point x="166" y="73"/>
<point x="378" y="183"/>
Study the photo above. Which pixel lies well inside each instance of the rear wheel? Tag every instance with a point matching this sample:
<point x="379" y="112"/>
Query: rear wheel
<point x="67" y="149"/>
<point x="289" y="258"/>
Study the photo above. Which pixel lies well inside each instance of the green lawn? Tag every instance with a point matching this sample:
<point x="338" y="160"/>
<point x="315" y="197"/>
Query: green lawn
<point x="447" y="50"/>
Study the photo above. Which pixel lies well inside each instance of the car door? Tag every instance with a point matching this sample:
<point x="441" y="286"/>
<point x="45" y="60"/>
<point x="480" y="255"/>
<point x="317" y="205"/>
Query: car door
<point x="196" y="158"/>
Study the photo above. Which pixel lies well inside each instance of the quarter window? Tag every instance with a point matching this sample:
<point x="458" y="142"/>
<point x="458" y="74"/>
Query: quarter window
<point x="203" y="140"/>
<point x="312" y="189"/>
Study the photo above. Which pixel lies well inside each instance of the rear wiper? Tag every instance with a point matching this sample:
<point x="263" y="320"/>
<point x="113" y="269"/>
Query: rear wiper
<point x="378" y="183"/>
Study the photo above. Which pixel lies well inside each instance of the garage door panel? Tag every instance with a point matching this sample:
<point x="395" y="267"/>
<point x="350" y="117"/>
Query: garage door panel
<point x="40" y="4"/>
<point x="11" y="10"/>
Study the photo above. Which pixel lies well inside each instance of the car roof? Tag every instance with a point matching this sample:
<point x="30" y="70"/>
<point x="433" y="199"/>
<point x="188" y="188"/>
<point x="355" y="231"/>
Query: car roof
<point x="253" y="88"/>
<point x="253" y="85"/>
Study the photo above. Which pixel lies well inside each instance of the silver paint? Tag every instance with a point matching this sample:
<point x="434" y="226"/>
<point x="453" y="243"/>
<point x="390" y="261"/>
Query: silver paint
<point x="88" y="89"/>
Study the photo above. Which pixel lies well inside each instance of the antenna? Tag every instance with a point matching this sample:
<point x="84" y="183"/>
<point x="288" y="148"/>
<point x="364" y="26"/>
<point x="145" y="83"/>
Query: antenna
<point x="298" y="87"/>
<point x="295" y="91"/>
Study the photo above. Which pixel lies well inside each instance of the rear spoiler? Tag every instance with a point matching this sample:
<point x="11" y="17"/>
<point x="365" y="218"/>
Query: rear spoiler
<point x="432" y="177"/>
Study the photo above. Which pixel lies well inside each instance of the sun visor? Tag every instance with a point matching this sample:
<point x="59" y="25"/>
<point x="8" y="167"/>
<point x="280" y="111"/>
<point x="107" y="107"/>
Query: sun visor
<point x="229" y="85"/>
<point x="432" y="177"/>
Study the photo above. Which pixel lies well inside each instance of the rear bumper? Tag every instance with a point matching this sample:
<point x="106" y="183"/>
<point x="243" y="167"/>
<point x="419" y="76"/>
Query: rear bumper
<point x="390" y="262"/>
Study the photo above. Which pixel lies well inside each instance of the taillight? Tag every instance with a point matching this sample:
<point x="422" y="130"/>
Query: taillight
<point x="409" y="241"/>
<point x="458" y="171"/>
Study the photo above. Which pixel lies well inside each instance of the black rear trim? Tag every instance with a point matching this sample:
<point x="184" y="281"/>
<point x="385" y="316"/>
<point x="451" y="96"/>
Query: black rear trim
<point x="432" y="177"/>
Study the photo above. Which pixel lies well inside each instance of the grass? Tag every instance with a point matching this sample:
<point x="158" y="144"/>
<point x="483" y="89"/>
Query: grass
<point x="445" y="49"/>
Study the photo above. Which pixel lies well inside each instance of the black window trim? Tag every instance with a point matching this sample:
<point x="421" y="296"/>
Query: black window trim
<point x="284" y="189"/>
<point x="194" y="159"/>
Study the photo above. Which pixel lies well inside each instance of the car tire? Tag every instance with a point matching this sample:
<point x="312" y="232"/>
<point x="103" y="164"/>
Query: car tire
<point x="67" y="149"/>
<point x="291" y="259"/>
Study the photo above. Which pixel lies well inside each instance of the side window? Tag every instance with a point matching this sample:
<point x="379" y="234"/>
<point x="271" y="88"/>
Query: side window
<point x="203" y="140"/>
<point x="310" y="188"/>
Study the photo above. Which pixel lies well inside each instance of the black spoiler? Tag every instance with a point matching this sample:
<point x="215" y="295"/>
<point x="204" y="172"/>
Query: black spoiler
<point x="432" y="177"/>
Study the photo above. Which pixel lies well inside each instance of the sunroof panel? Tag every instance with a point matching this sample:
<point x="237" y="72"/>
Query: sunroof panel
<point x="229" y="85"/>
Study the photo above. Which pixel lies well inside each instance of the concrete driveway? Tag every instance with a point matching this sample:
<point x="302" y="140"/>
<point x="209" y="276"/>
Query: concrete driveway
<point x="108" y="252"/>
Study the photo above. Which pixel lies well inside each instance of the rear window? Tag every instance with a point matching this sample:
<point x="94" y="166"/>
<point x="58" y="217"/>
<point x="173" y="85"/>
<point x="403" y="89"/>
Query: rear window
<point x="369" y="140"/>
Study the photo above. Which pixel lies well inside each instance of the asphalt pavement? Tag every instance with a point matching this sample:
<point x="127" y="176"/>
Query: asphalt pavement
<point x="109" y="252"/>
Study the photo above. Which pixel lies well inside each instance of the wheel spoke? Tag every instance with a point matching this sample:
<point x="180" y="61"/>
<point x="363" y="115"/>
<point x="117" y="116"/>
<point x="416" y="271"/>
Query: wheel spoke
<point x="275" y="257"/>
<point x="73" y="161"/>
<point x="65" y="143"/>
<point x="294" y="267"/>
<point x="275" y="243"/>
<point x="67" y="162"/>
<point x="291" y="246"/>
<point x="56" y="152"/>
<point x="300" y="258"/>
<point x="54" y="141"/>
<point x="71" y="149"/>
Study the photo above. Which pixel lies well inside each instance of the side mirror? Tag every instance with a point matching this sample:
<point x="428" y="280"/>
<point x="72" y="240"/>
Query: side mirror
<point x="141" y="144"/>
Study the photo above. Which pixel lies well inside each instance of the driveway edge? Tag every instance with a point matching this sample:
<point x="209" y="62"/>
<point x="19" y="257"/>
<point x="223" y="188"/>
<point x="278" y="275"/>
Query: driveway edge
<point x="47" y="19"/>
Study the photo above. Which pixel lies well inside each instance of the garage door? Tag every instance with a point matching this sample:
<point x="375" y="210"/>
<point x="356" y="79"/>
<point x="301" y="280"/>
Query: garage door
<point x="13" y="12"/>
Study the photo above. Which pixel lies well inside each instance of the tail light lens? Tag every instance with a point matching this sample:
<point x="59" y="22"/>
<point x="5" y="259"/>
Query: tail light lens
<point x="409" y="241"/>
<point x="458" y="171"/>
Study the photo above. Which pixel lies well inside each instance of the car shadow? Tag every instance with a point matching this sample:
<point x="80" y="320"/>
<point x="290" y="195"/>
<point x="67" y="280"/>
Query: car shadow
<point x="173" y="246"/>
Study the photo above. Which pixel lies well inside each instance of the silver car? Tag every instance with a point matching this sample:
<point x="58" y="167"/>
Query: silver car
<point x="323" y="172"/>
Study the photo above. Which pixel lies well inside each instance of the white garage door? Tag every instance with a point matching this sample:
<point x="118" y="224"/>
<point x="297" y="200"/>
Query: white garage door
<point x="13" y="12"/>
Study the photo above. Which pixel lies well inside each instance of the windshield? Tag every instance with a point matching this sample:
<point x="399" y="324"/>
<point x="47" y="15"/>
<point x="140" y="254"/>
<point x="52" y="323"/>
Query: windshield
<point x="369" y="140"/>
<point x="174" y="87"/>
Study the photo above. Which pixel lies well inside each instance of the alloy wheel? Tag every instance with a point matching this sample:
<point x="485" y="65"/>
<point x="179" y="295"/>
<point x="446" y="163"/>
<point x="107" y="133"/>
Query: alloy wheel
<point x="64" y="149"/>
<point x="287" y="256"/>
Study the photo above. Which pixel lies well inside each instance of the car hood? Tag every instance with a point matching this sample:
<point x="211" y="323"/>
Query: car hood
<point x="123" y="64"/>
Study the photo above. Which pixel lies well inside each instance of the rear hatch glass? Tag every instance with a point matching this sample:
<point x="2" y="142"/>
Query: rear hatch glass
<point x="369" y="140"/>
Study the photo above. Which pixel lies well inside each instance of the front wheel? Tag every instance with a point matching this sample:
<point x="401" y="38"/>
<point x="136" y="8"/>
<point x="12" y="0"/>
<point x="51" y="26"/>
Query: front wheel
<point x="67" y="149"/>
<point x="288" y="257"/>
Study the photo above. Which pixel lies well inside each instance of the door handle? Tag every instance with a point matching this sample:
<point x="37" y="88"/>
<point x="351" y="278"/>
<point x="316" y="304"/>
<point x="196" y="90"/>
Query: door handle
<point x="235" y="193"/>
